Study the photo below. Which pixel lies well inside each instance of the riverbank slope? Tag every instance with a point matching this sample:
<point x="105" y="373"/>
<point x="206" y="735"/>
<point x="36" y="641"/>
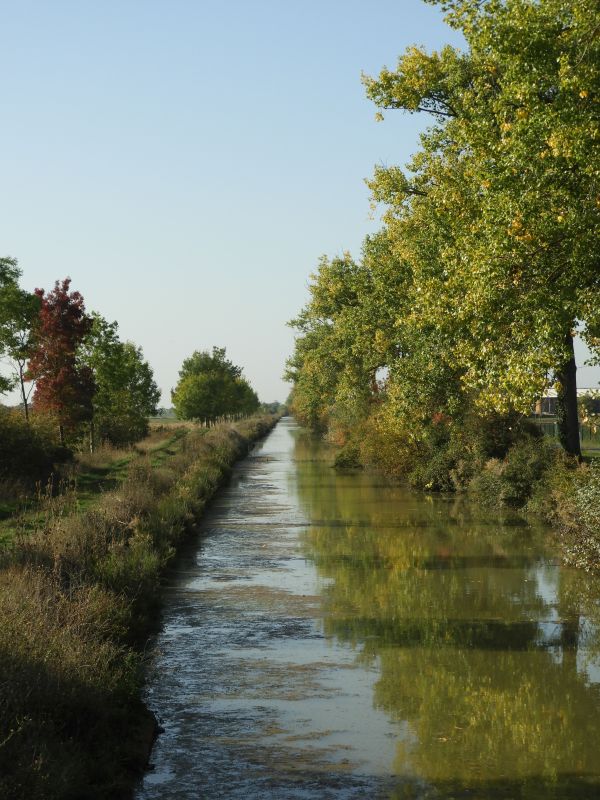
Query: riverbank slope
<point x="77" y="599"/>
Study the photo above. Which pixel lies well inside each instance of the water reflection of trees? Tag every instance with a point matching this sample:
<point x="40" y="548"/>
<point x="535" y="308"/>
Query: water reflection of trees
<point x="483" y="644"/>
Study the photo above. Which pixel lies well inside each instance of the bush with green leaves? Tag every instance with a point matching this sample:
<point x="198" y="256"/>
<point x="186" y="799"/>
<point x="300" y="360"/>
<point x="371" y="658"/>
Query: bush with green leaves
<point x="512" y="480"/>
<point x="28" y="452"/>
<point x="569" y="499"/>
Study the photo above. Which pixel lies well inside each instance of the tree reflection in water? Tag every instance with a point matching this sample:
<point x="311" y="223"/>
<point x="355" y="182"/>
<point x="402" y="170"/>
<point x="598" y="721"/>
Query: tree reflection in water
<point x="486" y="648"/>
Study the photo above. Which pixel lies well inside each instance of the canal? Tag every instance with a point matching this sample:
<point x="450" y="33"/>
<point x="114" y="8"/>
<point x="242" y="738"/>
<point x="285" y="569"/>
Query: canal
<point x="328" y="635"/>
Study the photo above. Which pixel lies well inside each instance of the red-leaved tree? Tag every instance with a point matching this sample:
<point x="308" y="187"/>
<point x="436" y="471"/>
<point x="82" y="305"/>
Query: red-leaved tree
<point x="64" y="386"/>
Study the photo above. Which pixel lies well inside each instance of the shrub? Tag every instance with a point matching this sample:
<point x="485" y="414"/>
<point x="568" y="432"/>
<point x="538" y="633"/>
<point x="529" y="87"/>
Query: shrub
<point x="27" y="452"/>
<point x="512" y="481"/>
<point x="493" y="435"/>
<point x="587" y="497"/>
<point x="487" y="484"/>
<point x="445" y="453"/>
<point x="392" y="449"/>
<point x="526" y="462"/>
<point x="569" y="499"/>
<point x="348" y="457"/>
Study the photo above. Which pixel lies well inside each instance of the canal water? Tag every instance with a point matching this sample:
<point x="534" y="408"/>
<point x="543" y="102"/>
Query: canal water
<point x="330" y="636"/>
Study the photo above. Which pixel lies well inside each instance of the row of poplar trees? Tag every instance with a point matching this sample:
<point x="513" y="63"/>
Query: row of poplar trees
<point x="488" y="259"/>
<point x="71" y="366"/>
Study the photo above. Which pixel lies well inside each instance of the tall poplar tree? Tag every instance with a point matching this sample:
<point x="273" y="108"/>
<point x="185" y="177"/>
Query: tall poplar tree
<point x="499" y="213"/>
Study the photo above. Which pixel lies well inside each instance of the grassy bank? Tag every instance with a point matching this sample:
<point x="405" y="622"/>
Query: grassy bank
<point x="77" y="597"/>
<point x="79" y="481"/>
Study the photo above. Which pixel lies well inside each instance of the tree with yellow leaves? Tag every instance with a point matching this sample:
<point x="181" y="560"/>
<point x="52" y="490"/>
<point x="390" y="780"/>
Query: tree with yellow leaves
<point x="498" y="214"/>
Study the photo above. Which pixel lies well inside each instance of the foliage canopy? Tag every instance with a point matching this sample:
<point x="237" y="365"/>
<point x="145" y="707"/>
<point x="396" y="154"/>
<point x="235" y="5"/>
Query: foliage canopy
<point x="470" y="295"/>
<point x="211" y="386"/>
<point x="126" y="393"/>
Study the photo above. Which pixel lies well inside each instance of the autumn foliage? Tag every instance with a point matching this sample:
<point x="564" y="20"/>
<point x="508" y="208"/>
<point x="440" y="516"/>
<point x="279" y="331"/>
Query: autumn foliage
<point x="64" y="386"/>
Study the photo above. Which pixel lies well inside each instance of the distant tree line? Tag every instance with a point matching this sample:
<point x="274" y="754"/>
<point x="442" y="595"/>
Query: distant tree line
<point x="70" y="366"/>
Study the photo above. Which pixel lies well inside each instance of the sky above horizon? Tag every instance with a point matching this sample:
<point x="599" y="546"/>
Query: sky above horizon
<point x="187" y="163"/>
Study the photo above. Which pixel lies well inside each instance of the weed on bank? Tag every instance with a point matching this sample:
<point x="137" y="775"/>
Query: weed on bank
<point x="77" y="599"/>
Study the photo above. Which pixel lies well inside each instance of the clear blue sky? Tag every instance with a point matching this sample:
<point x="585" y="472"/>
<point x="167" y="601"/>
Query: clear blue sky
<point x="187" y="162"/>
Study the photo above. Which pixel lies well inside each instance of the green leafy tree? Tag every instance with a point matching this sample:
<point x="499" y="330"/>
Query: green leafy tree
<point x="19" y="314"/>
<point x="20" y="341"/>
<point x="126" y="393"/>
<point x="350" y="332"/>
<point x="211" y="386"/>
<point x="9" y="276"/>
<point x="498" y="214"/>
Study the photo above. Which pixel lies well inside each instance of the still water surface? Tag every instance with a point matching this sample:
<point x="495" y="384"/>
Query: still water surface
<point x="330" y="636"/>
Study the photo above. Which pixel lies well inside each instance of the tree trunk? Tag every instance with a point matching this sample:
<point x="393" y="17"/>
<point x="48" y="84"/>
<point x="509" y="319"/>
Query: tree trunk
<point x="23" y="393"/>
<point x="61" y="434"/>
<point x="568" y="419"/>
<point x="92" y="436"/>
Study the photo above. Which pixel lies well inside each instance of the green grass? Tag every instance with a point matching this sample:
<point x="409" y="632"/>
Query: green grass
<point x="87" y="479"/>
<point x="8" y="508"/>
<point x="107" y="476"/>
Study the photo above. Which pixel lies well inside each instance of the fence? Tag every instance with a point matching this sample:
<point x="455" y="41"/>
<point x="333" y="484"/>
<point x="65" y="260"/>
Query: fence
<point x="589" y="435"/>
